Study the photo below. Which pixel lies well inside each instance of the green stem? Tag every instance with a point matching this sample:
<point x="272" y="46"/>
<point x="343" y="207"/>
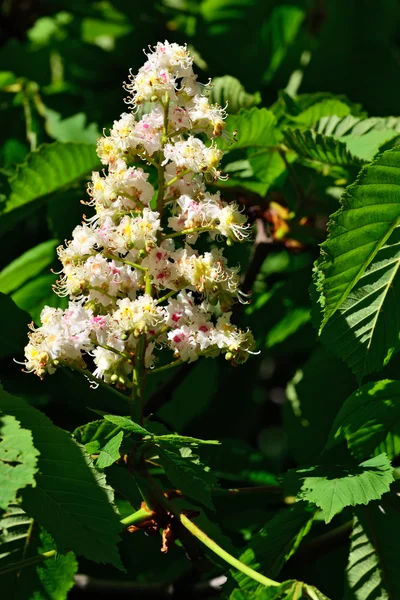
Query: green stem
<point x="177" y="177"/>
<point x="189" y="231"/>
<point x="171" y="293"/>
<point x="138" y="517"/>
<point x="160" y="168"/>
<point x="125" y="262"/>
<point x="148" y="289"/>
<point x="231" y="560"/>
<point x="16" y="566"/>
<point x="111" y="349"/>
<point x="176" y="363"/>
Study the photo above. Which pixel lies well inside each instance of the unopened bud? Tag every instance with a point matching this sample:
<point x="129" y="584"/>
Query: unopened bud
<point x="114" y="377"/>
<point x="229" y="242"/>
<point x="228" y="356"/>
<point x="153" y="98"/>
<point x="142" y="253"/>
<point x="124" y="336"/>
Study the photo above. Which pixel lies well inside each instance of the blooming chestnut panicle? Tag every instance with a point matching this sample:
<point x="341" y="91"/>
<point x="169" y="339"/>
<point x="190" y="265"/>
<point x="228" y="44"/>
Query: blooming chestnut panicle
<point x="137" y="284"/>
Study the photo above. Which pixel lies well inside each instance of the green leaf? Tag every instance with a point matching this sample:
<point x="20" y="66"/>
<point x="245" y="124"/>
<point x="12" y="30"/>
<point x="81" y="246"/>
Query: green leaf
<point x="355" y="126"/>
<point x="71" y="499"/>
<point x="275" y="543"/>
<point x="51" y="167"/>
<point x="333" y="488"/>
<point x="95" y="435"/>
<point x="229" y="90"/>
<point x="367" y="146"/>
<point x="288" y="325"/>
<point x="110" y="452"/>
<point x="366" y="417"/>
<point x="281" y="31"/>
<point x="174" y="438"/>
<point x="325" y="108"/>
<point x="20" y="539"/>
<point x="363" y="137"/>
<point x="373" y="566"/>
<point x="29" y="264"/>
<point x="126" y="423"/>
<point x="358" y="267"/>
<point x="319" y="150"/>
<point x="255" y="127"/>
<point x="73" y="129"/>
<point x="38" y="293"/>
<point x="185" y="472"/>
<point x="288" y="590"/>
<point x="18" y="459"/>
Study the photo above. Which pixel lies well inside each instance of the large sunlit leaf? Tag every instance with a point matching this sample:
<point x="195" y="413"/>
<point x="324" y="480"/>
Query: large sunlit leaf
<point x="333" y="488"/>
<point x="228" y="90"/>
<point x="319" y="150"/>
<point x="50" y="168"/>
<point x="373" y="567"/>
<point x="26" y="266"/>
<point x="71" y="499"/>
<point x="357" y="272"/>
<point x="253" y="127"/>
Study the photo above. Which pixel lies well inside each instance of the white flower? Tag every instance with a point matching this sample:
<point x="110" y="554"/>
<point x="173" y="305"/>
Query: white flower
<point x="206" y="117"/>
<point x="140" y="232"/>
<point x="138" y="315"/>
<point x="135" y="284"/>
<point x="192" y="154"/>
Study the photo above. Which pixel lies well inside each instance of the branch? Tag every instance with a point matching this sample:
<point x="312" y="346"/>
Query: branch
<point x="155" y="591"/>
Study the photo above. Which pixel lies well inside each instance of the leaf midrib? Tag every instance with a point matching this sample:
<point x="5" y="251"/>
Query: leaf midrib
<point x="361" y="271"/>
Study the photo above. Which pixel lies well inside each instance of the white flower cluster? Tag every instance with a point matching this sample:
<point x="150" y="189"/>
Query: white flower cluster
<point x="136" y="283"/>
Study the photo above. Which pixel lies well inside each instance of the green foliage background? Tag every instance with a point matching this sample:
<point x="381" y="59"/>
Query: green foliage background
<point x="311" y="88"/>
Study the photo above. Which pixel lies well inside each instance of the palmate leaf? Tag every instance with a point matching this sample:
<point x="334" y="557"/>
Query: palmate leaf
<point x="357" y="272"/>
<point x="50" y="168"/>
<point x="275" y="543"/>
<point x="254" y="127"/>
<point x="319" y="150"/>
<point x="20" y="539"/>
<point x="333" y="488"/>
<point x="18" y="459"/>
<point x="229" y="90"/>
<point x="372" y="571"/>
<point x="322" y="109"/>
<point x="27" y="265"/>
<point x="71" y="499"/>
<point x="363" y="137"/>
<point x="110" y="453"/>
<point x="288" y="590"/>
<point x="366" y="417"/>
<point x="185" y="471"/>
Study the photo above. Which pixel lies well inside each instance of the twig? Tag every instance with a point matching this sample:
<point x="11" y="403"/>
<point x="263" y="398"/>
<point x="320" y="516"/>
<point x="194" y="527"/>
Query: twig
<point x="156" y="591"/>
